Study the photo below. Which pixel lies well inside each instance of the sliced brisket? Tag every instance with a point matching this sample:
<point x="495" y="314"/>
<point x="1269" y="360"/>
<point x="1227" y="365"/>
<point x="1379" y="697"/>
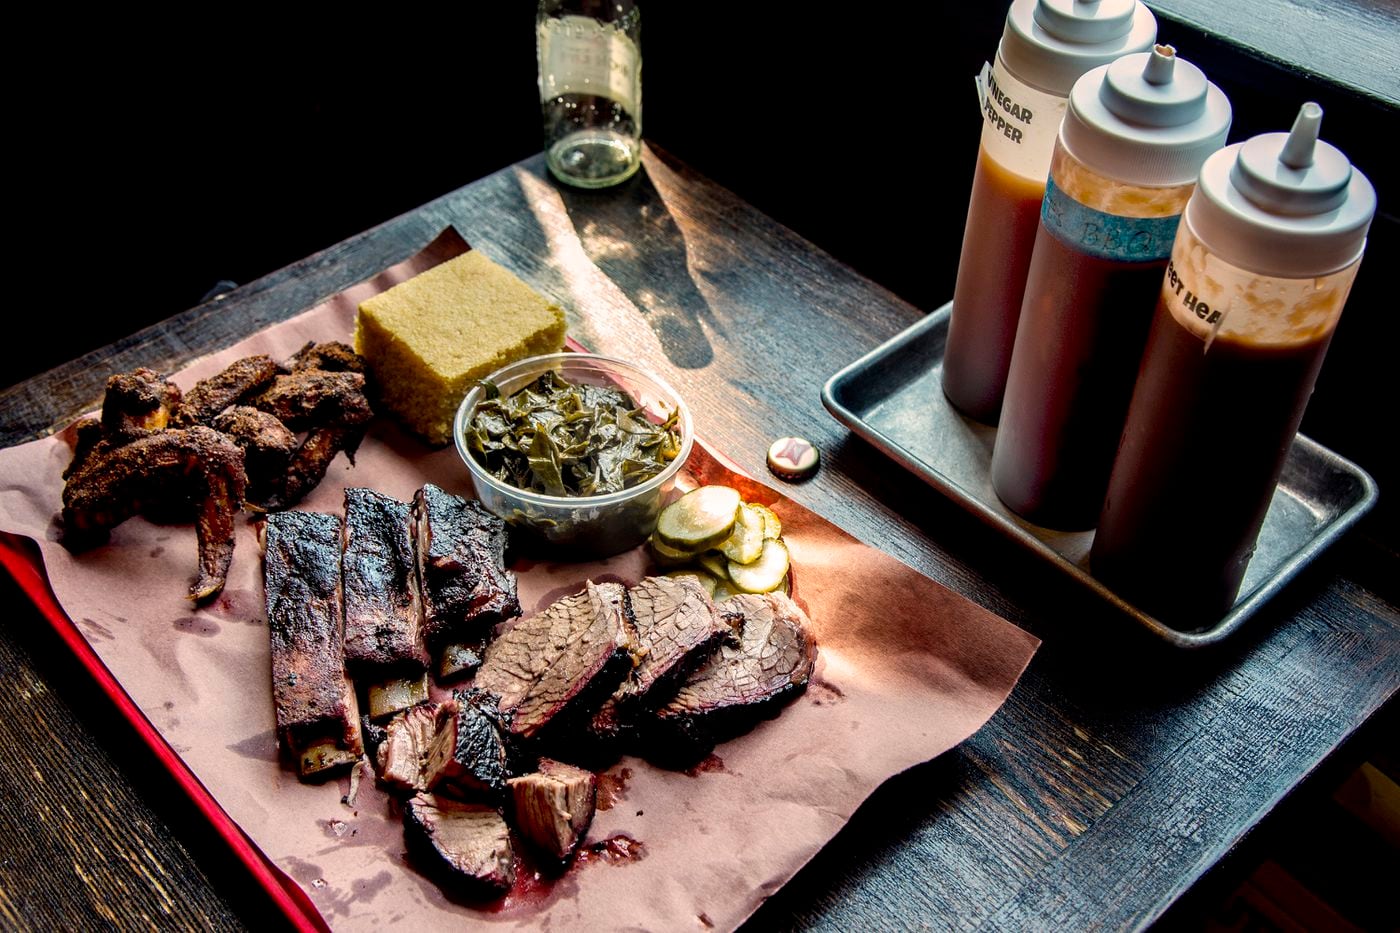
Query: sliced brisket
<point x="403" y="751"/>
<point x="554" y="805"/>
<point x="468" y="754"/>
<point x="466" y="844"/>
<point x="742" y="683"/>
<point x="560" y="663"/>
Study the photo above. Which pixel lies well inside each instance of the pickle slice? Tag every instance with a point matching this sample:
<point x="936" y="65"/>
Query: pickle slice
<point x="745" y="543"/>
<point x="723" y="590"/>
<point x="716" y="563"/>
<point x="667" y="556"/>
<point x="772" y="524"/>
<point x="765" y="574"/>
<point x="700" y="519"/>
<point x="707" y="580"/>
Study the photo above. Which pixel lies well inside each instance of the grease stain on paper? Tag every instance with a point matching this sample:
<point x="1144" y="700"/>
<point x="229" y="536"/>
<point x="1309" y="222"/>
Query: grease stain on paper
<point x="709" y="764"/>
<point x="244" y="606"/>
<point x="612" y="787"/>
<point x="91" y="629"/>
<point x="197" y="625"/>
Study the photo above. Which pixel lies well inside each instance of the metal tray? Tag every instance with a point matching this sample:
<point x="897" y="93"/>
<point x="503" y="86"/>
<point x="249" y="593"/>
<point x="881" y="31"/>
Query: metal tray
<point x="893" y="397"/>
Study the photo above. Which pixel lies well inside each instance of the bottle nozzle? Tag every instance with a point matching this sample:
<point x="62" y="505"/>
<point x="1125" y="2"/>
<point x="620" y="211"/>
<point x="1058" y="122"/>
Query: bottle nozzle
<point x="1160" y="65"/>
<point x="1297" y="152"/>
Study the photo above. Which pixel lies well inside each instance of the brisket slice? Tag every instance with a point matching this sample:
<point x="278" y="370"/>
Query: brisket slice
<point x="742" y="683"/>
<point x="461" y="566"/>
<point x="466" y="844"/>
<point x="403" y="750"/>
<point x="677" y="628"/>
<point x="468" y="755"/>
<point x="383" y="611"/>
<point x="553" y="806"/>
<point x="561" y="663"/>
<point x="317" y="714"/>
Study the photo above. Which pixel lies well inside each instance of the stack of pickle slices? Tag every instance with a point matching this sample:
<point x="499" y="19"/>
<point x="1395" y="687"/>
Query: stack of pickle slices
<point x="732" y="546"/>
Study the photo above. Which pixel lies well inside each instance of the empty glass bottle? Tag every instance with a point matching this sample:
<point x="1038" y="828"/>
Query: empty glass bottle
<point x="590" y="64"/>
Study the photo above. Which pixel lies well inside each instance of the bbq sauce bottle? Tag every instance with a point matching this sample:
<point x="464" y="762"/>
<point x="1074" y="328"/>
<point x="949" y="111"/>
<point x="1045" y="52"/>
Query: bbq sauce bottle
<point x="1129" y="151"/>
<point x="1262" y="265"/>
<point x="1045" y="46"/>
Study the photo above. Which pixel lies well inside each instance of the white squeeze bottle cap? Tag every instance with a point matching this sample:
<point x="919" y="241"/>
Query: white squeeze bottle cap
<point x="1286" y="205"/>
<point x="1149" y="118"/>
<point x="1050" y="43"/>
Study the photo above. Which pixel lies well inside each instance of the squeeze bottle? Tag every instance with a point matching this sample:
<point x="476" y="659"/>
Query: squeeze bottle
<point x="1262" y="265"/>
<point x="1045" y="46"/>
<point x="1129" y="150"/>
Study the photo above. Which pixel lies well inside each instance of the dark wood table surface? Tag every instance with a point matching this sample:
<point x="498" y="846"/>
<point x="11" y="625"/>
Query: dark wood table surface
<point x="1116" y="777"/>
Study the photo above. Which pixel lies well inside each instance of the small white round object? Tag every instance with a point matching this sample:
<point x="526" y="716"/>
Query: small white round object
<point x="793" y="458"/>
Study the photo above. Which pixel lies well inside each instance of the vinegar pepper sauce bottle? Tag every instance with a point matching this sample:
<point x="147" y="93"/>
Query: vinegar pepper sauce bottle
<point x="1130" y="148"/>
<point x="1045" y="46"/>
<point x="1262" y="265"/>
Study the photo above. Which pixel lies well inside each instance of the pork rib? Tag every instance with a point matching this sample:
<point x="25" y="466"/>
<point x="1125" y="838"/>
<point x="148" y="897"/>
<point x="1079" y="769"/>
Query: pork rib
<point x="317" y="714"/>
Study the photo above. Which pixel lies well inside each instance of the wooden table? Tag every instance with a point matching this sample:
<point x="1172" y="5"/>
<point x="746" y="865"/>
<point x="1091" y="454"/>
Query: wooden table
<point x="1118" y="774"/>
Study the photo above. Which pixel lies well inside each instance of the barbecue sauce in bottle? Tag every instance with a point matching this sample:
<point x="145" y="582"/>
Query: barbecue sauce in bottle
<point x="1261" y="268"/>
<point x="1129" y="151"/>
<point x="1045" y="46"/>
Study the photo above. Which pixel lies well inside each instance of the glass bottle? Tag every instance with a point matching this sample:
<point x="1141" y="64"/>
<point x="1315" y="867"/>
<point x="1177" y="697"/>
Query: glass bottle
<point x="1261" y="268"/>
<point x="1045" y="46"/>
<point x="590" y="78"/>
<point x="1129" y="150"/>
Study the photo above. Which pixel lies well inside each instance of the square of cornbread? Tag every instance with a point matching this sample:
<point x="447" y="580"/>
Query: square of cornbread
<point x="429" y="339"/>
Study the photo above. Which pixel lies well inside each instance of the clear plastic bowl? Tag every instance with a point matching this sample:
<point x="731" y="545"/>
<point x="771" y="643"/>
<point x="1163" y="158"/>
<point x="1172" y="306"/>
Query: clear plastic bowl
<point x="580" y="527"/>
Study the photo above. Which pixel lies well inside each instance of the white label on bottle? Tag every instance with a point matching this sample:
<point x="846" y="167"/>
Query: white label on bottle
<point x="579" y="55"/>
<point x="1019" y="122"/>
<point x="1210" y="296"/>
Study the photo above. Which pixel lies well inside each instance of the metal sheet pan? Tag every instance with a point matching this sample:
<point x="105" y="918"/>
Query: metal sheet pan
<point x="893" y="398"/>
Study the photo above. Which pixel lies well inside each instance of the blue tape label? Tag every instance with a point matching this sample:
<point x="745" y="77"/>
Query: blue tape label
<point x="1107" y="236"/>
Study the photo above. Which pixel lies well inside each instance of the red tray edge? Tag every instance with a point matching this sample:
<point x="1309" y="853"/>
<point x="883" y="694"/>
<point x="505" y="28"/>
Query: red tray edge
<point x="290" y="899"/>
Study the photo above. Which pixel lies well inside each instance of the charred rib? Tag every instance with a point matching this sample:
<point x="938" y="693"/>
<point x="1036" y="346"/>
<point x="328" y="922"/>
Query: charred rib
<point x="317" y="714"/>
<point x="461" y="567"/>
<point x="383" y="611"/>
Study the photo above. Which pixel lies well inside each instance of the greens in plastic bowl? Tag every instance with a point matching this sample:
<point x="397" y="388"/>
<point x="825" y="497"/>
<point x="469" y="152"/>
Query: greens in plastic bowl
<point x="578" y="451"/>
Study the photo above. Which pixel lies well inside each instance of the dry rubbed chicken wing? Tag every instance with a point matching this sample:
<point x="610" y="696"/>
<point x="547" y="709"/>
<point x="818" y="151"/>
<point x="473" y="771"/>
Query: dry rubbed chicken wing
<point x="314" y="398"/>
<point x="332" y="357"/>
<point x="211" y="396"/>
<point x="138" y="403"/>
<point x="268" y="446"/>
<point x="117" y="482"/>
<point x="230" y="438"/>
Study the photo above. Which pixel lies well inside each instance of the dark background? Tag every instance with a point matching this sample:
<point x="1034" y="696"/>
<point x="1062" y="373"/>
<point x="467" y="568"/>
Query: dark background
<point x="170" y="165"/>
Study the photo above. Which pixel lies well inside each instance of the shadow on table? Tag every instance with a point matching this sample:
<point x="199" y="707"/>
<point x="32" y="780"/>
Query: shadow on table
<point x="628" y="232"/>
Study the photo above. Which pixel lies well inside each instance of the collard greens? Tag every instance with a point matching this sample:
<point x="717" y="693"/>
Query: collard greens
<point x="560" y="439"/>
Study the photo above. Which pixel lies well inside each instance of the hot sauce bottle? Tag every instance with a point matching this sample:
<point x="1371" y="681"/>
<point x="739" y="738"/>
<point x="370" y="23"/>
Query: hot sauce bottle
<point x="1130" y="147"/>
<point x="1045" y="46"/>
<point x="1262" y="265"/>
